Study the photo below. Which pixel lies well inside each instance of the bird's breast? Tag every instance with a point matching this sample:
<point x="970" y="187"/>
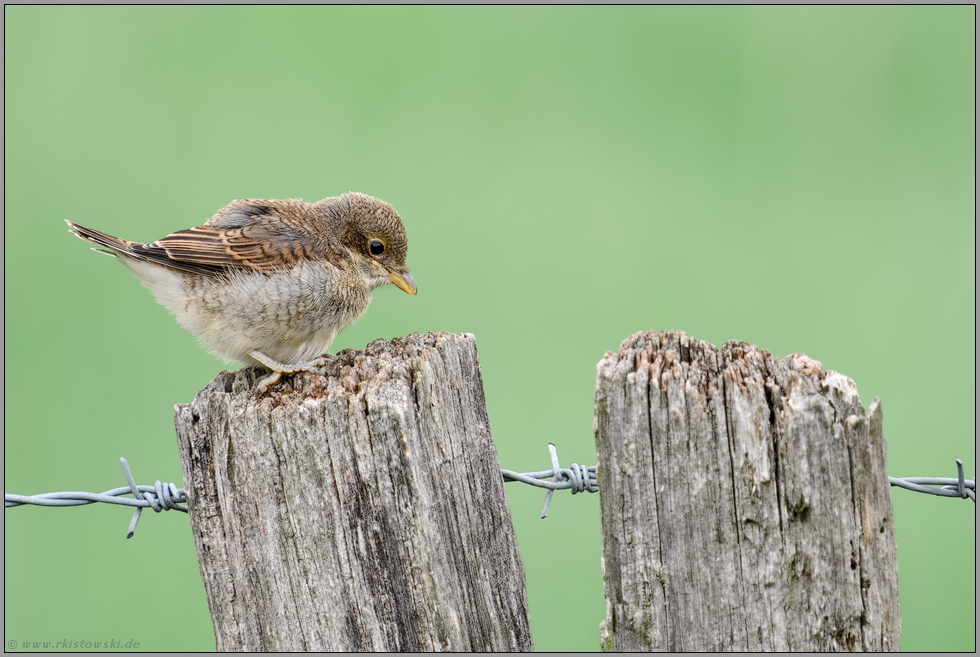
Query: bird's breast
<point x="285" y="315"/>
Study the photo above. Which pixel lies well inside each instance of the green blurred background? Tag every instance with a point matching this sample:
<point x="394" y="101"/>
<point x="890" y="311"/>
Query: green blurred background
<point x="799" y="178"/>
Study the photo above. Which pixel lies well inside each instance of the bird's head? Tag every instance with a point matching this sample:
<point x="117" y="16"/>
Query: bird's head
<point x="376" y="235"/>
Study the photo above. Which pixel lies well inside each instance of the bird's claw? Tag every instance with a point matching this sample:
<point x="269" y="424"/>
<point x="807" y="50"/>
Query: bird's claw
<point x="278" y="369"/>
<point x="267" y="382"/>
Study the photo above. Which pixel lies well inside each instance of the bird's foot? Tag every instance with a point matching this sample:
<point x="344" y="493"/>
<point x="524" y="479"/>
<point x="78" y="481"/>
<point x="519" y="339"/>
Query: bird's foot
<point x="278" y="369"/>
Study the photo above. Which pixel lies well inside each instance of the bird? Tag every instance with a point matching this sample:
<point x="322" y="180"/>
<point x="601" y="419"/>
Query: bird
<point x="271" y="282"/>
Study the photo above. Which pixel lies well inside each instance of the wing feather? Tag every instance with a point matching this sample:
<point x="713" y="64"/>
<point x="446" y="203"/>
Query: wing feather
<point x="262" y="236"/>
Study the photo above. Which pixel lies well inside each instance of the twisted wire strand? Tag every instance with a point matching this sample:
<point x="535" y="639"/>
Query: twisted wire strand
<point x="163" y="496"/>
<point x="160" y="496"/>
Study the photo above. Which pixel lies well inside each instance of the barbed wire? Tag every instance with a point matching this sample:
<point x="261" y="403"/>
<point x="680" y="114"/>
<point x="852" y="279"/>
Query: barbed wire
<point x="159" y="497"/>
<point x="959" y="487"/>
<point x="581" y="478"/>
<point x="577" y="478"/>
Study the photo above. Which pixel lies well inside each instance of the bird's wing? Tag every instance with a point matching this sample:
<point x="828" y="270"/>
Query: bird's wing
<point x="248" y="235"/>
<point x="209" y="250"/>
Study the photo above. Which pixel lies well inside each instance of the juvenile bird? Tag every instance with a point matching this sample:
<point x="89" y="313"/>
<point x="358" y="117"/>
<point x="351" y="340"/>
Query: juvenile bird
<point x="272" y="282"/>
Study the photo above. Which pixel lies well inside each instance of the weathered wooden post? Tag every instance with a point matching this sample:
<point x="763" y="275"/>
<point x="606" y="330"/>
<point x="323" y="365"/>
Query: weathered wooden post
<point x="745" y="502"/>
<point x="362" y="510"/>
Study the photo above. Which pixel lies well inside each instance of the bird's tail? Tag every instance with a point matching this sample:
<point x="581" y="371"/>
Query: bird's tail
<point x="115" y="244"/>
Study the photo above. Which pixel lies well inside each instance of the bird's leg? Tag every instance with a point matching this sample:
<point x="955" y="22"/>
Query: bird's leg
<point x="278" y="369"/>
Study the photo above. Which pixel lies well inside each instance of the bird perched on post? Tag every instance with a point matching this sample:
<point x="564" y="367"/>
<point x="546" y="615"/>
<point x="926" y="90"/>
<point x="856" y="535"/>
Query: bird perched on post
<point x="272" y="282"/>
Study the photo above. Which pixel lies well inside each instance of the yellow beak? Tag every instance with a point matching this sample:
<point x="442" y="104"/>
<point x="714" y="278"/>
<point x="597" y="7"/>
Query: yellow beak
<point x="403" y="281"/>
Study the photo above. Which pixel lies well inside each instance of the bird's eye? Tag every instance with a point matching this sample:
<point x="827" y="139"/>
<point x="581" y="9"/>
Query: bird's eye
<point x="377" y="248"/>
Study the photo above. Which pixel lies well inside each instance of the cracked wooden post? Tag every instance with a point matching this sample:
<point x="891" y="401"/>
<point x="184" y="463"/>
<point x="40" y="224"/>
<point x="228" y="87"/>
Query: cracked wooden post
<point x="745" y="502"/>
<point x="361" y="508"/>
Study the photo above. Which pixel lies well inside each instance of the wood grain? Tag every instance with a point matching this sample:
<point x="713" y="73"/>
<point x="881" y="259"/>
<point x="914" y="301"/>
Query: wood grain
<point x="363" y="509"/>
<point x="745" y="502"/>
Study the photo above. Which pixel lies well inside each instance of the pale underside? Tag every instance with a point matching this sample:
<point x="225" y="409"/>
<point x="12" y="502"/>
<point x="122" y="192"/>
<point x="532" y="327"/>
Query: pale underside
<point x="291" y="316"/>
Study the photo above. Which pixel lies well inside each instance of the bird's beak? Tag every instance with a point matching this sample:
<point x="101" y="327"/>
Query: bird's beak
<point x="403" y="281"/>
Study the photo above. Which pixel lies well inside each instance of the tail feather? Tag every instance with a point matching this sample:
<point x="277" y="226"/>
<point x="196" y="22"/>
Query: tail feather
<point x="116" y="244"/>
<point x="152" y="253"/>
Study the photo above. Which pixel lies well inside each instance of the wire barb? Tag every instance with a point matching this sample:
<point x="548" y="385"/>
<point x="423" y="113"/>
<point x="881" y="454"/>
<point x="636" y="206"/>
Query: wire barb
<point x="159" y="497"/>
<point x="959" y="487"/>
<point x="578" y="478"/>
